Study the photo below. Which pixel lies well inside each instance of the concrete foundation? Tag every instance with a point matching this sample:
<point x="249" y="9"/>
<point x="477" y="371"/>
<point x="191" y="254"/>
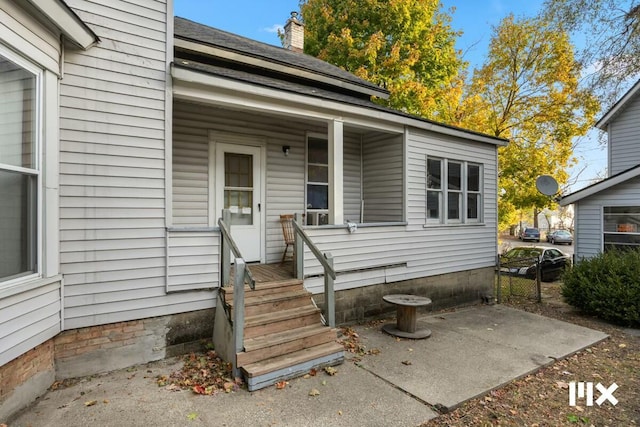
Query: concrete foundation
<point x="446" y="291"/>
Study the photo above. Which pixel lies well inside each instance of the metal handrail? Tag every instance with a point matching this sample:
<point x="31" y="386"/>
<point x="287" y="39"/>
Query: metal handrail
<point x="226" y="264"/>
<point x="326" y="260"/>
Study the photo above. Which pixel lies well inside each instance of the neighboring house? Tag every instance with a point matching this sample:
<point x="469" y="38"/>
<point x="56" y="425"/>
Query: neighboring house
<point x="607" y="214"/>
<point x="126" y="132"/>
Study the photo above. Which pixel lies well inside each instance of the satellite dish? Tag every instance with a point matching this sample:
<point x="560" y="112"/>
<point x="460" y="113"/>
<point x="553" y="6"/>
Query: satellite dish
<point x="547" y="185"/>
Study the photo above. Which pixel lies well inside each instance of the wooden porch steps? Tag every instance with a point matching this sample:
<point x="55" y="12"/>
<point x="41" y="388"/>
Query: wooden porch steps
<point x="283" y="335"/>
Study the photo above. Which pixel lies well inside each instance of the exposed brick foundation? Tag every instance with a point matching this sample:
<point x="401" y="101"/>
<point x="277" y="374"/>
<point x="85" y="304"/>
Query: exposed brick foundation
<point x="25" y="378"/>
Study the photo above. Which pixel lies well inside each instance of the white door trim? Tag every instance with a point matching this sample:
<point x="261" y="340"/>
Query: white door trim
<point x="215" y="139"/>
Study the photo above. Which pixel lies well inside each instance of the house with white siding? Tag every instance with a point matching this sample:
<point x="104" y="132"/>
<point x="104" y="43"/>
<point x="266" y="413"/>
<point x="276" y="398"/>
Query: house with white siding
<point x="607" y="214"/>
<point x="127" y="132"/>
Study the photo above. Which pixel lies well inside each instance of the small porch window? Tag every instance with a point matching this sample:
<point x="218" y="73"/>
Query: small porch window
<point x="621" y="227"/>
<point x="317" y="181"/>
<point x="454" y="191"/>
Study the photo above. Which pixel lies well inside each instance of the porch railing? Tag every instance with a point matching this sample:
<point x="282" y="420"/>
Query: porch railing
<point x="326" y="260"/>
<point x="241" y="275"/>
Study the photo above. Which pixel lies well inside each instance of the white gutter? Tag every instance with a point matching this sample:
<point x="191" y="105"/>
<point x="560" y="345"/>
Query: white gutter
<point x="600" y="186"/>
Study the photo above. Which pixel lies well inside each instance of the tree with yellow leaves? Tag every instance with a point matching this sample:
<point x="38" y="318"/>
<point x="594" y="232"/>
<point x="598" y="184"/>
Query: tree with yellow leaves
<point x="527" y="91"/>
<point x="406" y="46"/>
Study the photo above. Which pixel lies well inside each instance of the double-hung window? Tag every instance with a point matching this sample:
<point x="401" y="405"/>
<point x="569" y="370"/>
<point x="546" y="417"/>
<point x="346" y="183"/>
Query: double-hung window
<point x="454" y="191"/>
<point x="19" y="167"/>
<point x="621" y="227"/>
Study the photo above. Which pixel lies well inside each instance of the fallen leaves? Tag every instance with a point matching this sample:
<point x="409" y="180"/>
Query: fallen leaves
<point x="90" y="402"/>
<point x="281" y="384"/>
<point x="330" y="370"/>
<point x="314" y="392"/>
<point x="202" y="373"/>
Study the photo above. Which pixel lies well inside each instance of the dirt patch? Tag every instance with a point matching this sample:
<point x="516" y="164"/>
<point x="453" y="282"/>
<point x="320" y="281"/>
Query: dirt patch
<point x="542" y="399"/>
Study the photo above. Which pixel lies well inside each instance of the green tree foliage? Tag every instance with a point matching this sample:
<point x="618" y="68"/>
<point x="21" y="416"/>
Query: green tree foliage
<point x="611" y="33"/>
<point x="406" y="46"/>
<point x="527" y="91"/>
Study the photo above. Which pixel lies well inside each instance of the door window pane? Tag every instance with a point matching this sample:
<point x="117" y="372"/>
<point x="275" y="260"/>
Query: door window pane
<point x="238" y="187"/>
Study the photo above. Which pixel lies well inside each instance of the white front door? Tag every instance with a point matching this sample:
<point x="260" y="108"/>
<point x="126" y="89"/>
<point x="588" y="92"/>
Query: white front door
<point x="238" y="188"/>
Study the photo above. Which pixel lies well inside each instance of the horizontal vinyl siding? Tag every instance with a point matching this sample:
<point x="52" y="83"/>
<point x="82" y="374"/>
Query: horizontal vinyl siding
<point x="352" y="177"/>
<point x="193" y="260"/>
<point x="112" y="169"/>
<point x="384" y="254"/>
<point x="28" y="319"/>
<point x="28" y="36"/>
<point x="284" y="176"/>
<point x="588" y="217"/>
<point x="383" y="179"/>
<point x="624" y="138"/>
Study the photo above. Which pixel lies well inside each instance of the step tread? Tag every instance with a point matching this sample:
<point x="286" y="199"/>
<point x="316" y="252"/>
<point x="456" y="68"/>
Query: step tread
<point x="279" y="338"/>
<point x="260" y="286"/>
<point x="276" y="297"/>
<point x="291" y="359"/>
<point x="267" y="318"/>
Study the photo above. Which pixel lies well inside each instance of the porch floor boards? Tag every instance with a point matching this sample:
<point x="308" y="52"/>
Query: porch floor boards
<point x="269" y="272"/>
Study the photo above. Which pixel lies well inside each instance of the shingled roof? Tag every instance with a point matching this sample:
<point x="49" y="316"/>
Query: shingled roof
<point x="198" y="33"/>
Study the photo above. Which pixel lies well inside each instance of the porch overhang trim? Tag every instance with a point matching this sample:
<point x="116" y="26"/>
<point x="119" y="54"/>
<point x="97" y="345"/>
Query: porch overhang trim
<point x="65" y="19"/>
<point x="600" y="186"/>
<point x="281" y="68"/>
<point x="234" y="93"/>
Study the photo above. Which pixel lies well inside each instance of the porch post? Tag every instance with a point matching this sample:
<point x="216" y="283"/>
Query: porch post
<point x="336" y="172"/>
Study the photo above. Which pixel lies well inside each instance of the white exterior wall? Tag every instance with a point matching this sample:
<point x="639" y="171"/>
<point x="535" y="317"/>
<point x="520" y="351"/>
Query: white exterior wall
<point x="383" y="179"/>
<point x="589" y="215"/>
<point x="624" y="138"/>
<point x="401" y="252"/>
<point x="30" y="309"/>
<point x="112" y="163"/>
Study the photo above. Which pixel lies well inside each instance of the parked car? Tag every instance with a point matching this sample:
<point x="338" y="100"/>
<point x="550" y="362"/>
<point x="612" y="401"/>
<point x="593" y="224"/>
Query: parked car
<point x="529" y="233"/>
<point x="522" y="262"/>
<point x="560" y="236"/>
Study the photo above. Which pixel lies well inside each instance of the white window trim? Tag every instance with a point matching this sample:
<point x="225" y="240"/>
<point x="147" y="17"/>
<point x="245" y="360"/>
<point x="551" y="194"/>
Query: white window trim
<point x="306" y="173"/>
<point x="444" y="191"/>
<point x="52" y="240"/>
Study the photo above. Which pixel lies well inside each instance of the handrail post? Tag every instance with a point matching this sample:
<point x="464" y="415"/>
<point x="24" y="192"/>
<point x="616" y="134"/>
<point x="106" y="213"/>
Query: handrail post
<point x="298" y="252"/>
<point x="226" y="252"/>
<point x="329" y="296"/>
<point x="238" y="313"/>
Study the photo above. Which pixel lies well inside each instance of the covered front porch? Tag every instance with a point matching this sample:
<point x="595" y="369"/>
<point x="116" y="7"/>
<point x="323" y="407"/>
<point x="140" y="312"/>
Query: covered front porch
<point x="260" y="166"/>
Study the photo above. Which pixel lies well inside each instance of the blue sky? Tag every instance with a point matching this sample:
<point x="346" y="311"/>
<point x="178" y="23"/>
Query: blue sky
<point x="259" y="20"/>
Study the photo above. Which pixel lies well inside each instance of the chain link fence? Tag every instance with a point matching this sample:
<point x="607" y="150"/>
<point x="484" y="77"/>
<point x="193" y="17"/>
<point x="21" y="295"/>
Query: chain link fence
<point x="518" y="278"/>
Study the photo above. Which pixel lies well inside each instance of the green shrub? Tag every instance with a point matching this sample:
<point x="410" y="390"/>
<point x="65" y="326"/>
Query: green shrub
<point x="607" y="286"/>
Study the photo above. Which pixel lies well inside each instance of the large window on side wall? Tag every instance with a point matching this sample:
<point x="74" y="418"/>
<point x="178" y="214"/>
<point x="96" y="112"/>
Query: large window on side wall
<point x="454" y="191"/>
<point x="317" y="180"/>
<point x="19" y="167"/>
<point x="621" y="227"/>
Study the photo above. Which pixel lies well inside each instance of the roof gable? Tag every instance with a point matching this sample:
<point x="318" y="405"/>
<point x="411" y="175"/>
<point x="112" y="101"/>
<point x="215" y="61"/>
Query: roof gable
<point x="619" y="106"/>
<point x="600" y="186"/>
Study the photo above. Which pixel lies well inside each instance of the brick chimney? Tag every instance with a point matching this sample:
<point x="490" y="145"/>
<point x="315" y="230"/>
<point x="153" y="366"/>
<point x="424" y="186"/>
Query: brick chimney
<point x="294" y="34"/>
